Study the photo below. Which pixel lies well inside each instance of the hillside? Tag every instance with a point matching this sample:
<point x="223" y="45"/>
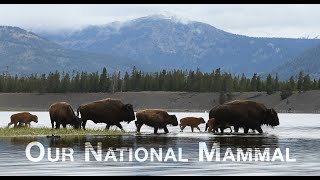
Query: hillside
<point x="169" y="43"/>
<point x="308" y="62"/>
<point x="24" y="52"/>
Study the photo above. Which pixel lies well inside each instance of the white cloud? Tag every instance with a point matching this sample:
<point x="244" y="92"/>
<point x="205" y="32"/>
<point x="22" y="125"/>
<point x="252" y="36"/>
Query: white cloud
<point x="253" y="20"/>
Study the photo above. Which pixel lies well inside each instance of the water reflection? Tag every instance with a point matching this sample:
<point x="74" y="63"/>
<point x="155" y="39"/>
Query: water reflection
<point x="13" y="158"/>
<point x="247" y="142"/>
<point x="134" y="142"/>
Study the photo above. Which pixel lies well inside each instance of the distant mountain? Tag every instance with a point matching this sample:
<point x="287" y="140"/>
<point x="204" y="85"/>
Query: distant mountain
<point x="169" y="43"/>
<point x="308" y="62"/>
<point x="25" y="53"/>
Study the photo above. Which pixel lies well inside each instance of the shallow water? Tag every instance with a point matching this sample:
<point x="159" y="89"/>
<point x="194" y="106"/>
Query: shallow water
<point x="298" y="132"/>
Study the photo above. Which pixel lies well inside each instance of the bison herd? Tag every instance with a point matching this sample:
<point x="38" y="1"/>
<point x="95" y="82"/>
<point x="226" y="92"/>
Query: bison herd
<point x="237" y="114"/>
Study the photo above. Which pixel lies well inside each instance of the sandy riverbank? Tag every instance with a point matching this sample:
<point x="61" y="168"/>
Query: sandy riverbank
<point x="308" y="102"/>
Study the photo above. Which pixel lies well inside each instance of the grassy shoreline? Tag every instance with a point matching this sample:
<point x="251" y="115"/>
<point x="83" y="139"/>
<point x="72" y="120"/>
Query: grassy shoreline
<point x="17" y="132"/>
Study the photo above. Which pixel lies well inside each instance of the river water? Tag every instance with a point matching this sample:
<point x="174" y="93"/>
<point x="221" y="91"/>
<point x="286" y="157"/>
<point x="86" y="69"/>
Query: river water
<point x="293" y="147"/>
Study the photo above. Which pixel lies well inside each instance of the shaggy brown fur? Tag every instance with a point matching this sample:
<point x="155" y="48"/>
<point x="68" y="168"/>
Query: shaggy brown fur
<point x="193" y="122"/>
<point x="62" y="113"/>
<point x="109" y="111"/>
<point x="155" y="118"/>
<point x="22" y="118"/>
<point x="212" y="123"/>
<point x="244" y="113"/>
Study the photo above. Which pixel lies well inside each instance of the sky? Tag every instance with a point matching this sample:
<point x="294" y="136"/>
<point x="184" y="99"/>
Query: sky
<point x="287" y="20"/>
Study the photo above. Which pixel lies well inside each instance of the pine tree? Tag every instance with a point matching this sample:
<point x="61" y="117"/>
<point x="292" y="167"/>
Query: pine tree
<point x="243" y="83"/>
<point x="307" y="83"/>
<point x="43" y="86"/>
<point x="217" y="80"/>
<point x="259" y="84"/>
<point x="269" y="85"/>
<point x="292" y="83"/>
<point x="276" y="83"/>
<point x="65" y="83"/>
<point x="126" y="83"/>
<point x="253" y="83"/>
<point x="300" y="81"/>
<point x="103" y="82"/>
<point x="76" y="83"/>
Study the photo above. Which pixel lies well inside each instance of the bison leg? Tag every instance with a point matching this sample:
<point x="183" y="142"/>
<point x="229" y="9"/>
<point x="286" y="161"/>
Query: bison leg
<point x="15" y="124"/>
<point x="260" y="130"/>
<point x="236" y="129"/>
<point x="64" y="126"/>
<point x="27" y="124"/>
<point x="166" y="130"/>
<point x="198" y="128"/>
<point x="119" y="126"/>
<point x="9" y="124"/>
<point x="230" y="129"/>
<point x="136" y="123"/>
<point x="84" y="122"/>
<point x="221" y="129"/>
<point x="192" y="128"/>
<point x="138" y="127"/>
<point x="52" y="124"/>
<point x="155" y="130"/>
<point x="182" y="128"/>
<point x="57" y="125"/>
<point x="246" y="130"/>
<point x="108" y="126"/>
<point x="19" y="124"/>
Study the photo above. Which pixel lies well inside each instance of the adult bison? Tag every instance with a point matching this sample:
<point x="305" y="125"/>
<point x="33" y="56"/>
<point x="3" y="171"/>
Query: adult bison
<point x="109" y="111"/>
<point x="193" y="122"/>
<point x="22" y="118"/>
<point x="62" y="114"/>
<point x="155" y="118"/>
<point x="244" y="113"/>
<point x="213" y="126"/>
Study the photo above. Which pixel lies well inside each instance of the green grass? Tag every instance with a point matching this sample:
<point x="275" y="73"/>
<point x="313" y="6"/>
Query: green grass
<point x="13" y="132"/>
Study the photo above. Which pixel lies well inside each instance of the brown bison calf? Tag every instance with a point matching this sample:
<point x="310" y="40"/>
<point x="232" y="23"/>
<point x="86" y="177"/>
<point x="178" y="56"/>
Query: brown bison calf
<point x="192" y="122"/>
<point x="23" y="117"/>
<point x="213" y="126"/>
<point x="155" y="118"/>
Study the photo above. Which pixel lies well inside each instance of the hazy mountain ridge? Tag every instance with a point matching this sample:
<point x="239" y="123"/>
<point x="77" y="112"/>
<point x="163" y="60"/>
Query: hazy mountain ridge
<point x="24" y="52"/>
<point x="169" y="43"/>
<point x="150" y="43"/>
<point x="308" y="62"/>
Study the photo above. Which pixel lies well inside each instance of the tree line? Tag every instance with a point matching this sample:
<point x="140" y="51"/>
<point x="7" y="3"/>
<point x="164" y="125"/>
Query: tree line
<point x="175" y="80"/>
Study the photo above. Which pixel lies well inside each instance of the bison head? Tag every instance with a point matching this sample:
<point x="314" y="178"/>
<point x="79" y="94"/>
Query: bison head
<point x="76" y="123"/>
<point x="35" y="118"/>
<point x="202" y="121"/>
<point x="128" y="113"/>
<point x="173" y="120"/>
<point x="272" y="118"/>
